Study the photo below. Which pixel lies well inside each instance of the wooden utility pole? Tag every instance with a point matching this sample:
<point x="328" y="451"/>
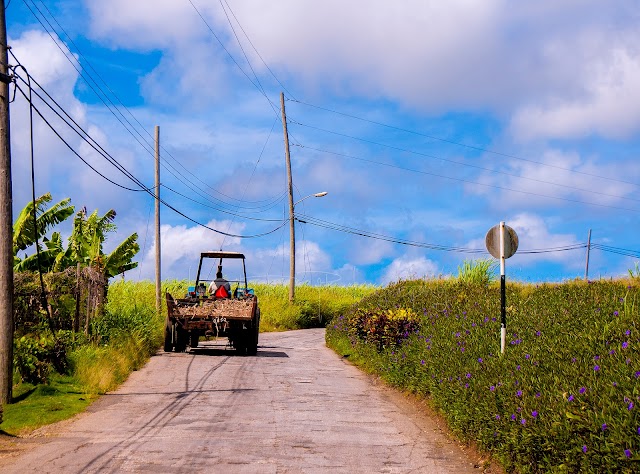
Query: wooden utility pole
<point x="6" y="226"/>
<point x="292" y="226"/>
<point x="586" y="267"/>
<point x="158" y="280"/>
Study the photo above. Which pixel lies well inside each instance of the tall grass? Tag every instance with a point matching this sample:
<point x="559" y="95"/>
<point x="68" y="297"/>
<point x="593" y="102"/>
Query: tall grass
<point x="564" y="397"/>
<point x="130" y="331"/>
<point x="477" y="272"/>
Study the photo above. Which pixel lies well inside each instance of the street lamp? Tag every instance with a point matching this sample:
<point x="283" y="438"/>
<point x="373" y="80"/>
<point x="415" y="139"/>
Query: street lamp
<point x="292" y="261"/>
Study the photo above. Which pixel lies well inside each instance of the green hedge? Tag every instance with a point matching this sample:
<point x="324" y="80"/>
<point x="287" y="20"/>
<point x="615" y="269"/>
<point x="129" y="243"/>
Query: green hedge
<point x="565" y="397"/>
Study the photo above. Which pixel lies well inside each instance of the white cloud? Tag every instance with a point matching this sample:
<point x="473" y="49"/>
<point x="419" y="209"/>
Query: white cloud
<point x="181" y="247"/>
<point x="610" y="107"/>
<point x="407" y="267"/>
<point x="428" y="55"/>
<point x="534" y="233"/>
<point x="565" y="177"/>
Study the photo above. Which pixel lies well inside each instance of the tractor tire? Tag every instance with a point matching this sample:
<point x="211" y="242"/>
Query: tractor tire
<point x="180" y="338"/>
<point x="168" y="338"/>
<point x="194" y="338"/>
<point x="254" y="332"/>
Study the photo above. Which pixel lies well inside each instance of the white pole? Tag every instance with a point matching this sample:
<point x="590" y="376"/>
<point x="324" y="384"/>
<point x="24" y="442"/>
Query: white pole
<point x="503" y="316"/>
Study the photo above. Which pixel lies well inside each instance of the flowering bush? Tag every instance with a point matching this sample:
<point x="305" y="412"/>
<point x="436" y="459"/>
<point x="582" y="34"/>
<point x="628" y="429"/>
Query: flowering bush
<point x="565" y="395"/>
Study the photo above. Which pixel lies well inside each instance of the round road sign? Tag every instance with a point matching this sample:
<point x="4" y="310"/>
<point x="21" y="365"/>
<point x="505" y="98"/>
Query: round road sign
<point x="492" y="240"/>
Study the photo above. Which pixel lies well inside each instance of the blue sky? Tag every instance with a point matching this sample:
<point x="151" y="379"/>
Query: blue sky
<point x="425" y="121"/>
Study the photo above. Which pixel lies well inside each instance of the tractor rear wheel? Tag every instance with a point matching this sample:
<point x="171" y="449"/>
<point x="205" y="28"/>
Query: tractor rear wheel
<point x="194" y="338"/>
<point x="168" y="337"/>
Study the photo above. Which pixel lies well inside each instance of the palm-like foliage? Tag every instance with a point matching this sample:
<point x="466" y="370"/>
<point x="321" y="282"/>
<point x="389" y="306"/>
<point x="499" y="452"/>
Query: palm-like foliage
<point x="87" y="239"/>
<point x="24" y="234"/>
<point x="85" y="243"/>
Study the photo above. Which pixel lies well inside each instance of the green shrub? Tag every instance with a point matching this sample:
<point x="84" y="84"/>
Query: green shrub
<point x="36" y="355"/>
<point x="563" y="398"/>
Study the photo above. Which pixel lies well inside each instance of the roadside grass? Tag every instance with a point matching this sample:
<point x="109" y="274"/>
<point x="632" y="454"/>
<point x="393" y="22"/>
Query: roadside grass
<point x="563" y="398"/>
<point x="38" y="405"/>
<point x="130" y="331"/>
<point x="314" y="306"/>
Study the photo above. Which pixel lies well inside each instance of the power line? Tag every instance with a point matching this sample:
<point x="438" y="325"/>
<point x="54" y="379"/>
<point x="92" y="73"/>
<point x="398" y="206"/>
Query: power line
<point x="404" y="150"/>
<point x="131" y="176"/>
<point x="111" y="106"/>
<point x="495" y="186"/>
<point x="472" y="147"/>
<point x="617" y="250"/>
<point x="217" y="209"/>
<point x="275" y="109"/>
<point x="257" y="52"/>
<point x="372" y="235"/>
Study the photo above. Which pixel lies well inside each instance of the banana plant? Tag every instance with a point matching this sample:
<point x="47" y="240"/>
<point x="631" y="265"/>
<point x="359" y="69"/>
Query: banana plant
<point x="25" y="233"/>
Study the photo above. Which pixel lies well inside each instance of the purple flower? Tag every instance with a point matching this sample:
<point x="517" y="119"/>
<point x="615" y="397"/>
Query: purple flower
<point x="519" y="393"/>
<point x="596" y="368"/>
<point x="570" y="398"/>
<point x="625" y="344"/>
<point x="468" y="376"/>
<point x="611" y="352"/>
<point x="466" y="385"/>
<point x="627" y="453"/>
<point x="537" y="333"/>
<point x="498" y="417"/>
<point x="527" y="356"/>
<point x="615" y="313"/>
<point x="604" y="426"/>
<point x="422" y="362"/>
<point x="518" y="367"/>
<point x="628" y="361"/>
<point x="480" y="360"/>
<point x="492" y="388"/>
<point x="573" y="360"/>
<point x="630" y="406"/>
<point x="513" y="417"/>
<point x="639" y="430"/>
<point x="637" y="374"/>
<point x="627" y="332"/>
<point x="523" y="422"/>
<point x="596" y="358"/>
<point x="534" y="413"/>
<point x="582" y="390"/>
<point x="537" y="395"/>
<point x="584" y="448"/>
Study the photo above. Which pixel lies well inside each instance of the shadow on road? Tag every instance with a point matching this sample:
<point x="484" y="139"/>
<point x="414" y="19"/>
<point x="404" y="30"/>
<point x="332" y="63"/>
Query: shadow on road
<point x="219" y="351"/>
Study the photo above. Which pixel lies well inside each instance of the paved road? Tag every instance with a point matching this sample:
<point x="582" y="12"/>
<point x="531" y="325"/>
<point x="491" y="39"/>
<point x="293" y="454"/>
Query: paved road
<point x="296" y="407"/>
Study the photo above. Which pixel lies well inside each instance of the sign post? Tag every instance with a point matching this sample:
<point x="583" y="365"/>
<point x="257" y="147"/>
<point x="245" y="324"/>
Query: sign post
<point x="502" y="243"/>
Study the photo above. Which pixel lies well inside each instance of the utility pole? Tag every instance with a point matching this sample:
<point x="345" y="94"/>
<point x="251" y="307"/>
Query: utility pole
<point x="6" y="226"/>
<point x="586" y="268"/>
<point x="292" y="227"/>
<point x="158" y="281"/>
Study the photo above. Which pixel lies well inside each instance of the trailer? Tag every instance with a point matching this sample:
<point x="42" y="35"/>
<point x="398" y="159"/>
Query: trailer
<point x="201" y="313"/>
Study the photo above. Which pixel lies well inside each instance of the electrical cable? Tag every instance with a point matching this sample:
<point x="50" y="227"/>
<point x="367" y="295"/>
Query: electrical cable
<point x="616" y="250"/>
<point x="255" y="167"/>
<point x="257" y="52"/>
<point x="92" y="142"/>
<point x="43" y="293"/>
<point x="275" y="109"/>
<point x="346" y="229"/>
<point x="413" y="152"/>
<point x="484" y="150"/>
<point x="215" y="208"/>
<point x="495" y="186"/>
<point x="111" y="106"/>
<point x="73" y="150"/>
<point x="140" y="183"/>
